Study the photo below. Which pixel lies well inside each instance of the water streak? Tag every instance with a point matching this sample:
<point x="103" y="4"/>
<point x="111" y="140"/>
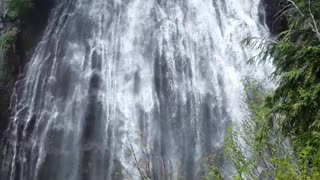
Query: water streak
<point x="119" y="89"/>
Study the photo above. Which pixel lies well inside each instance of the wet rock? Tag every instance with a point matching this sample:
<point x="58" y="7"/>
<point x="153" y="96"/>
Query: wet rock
<point x="29" y="30"/>
<point x="273" y="18"/>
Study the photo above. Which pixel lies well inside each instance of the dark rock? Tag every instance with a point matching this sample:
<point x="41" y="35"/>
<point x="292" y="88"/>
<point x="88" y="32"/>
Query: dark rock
<point x="30" y="29"/>
<point x="273" y="18"/>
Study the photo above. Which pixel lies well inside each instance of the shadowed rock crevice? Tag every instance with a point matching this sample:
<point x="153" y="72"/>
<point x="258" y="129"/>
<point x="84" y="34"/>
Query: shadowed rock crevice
<point x="273" y="15"/>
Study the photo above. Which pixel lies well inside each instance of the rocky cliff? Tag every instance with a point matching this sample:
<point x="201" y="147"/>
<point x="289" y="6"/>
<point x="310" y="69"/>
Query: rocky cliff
<point x="27" y="30"/>
<point x="18" y="37"/>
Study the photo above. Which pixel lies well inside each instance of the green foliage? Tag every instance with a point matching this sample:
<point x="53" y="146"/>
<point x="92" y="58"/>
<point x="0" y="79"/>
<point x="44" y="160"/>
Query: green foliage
<point x="213" y="172"/>
<point x="259" y="150"/>
<point x="19" y="8"/>
<point x="247" y="145"/>
<point x="280" y="137"/>
<point x="292" y="112"/>
<point x="7" y="40"/>
<point x="297" y="60"/>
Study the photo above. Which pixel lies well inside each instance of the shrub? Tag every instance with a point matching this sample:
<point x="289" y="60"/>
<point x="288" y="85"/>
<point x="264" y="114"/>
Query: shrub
<point x="7" y="40"/>
<point x="19" y="8"/>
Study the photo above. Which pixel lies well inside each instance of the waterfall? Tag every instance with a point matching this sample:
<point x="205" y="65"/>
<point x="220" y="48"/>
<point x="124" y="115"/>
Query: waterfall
<point x="131" y="89"/>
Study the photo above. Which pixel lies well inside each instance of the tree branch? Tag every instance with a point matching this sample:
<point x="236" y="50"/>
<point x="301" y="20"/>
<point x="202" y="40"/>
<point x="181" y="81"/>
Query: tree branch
<point x="313" y="25"/>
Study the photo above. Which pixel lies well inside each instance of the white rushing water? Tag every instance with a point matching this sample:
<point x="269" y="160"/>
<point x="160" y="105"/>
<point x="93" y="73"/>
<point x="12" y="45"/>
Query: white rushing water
<point x="129" y="89"/>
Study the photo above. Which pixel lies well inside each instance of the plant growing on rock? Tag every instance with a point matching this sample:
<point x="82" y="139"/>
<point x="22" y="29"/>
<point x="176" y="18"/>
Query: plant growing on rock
<point x="7" y="41"/>
<point x="18" y="8"/>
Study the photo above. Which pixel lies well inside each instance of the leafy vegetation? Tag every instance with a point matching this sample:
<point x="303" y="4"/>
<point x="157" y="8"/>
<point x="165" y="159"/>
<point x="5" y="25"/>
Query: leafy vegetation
<point x="7" y="40"/>
<point x="213" y="172"/>
<point x="282" y="132"/>
<point x="258" y="149"/>
<point x="19" y="8"/>
<point x="16" y="10"/>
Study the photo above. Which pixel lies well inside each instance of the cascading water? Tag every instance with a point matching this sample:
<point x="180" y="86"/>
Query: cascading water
<point x="129" y="89"/>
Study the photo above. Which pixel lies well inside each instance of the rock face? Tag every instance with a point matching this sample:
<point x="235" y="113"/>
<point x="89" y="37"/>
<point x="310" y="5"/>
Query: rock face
<point x="29" y="30"/>
<point x="6" y="77"/>
<point x="272" y="8"/>
<point x="6" y="84"/>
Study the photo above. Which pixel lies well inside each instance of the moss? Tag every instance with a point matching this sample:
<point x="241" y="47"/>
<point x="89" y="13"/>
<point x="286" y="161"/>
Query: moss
<point x="19" y="8"/>
<point x="7" y="40"/>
